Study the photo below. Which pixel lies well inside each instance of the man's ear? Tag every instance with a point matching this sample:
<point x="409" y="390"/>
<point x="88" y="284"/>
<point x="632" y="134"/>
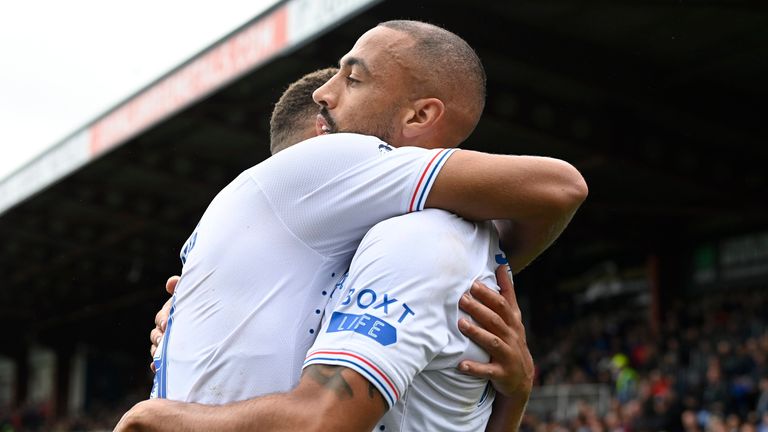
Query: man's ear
<point x="423" y="116"/>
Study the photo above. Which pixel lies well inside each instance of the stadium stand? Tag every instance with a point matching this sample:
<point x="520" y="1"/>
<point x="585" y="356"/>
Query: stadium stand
<point x="664" y="264"/>
<point x="705" y="370"/>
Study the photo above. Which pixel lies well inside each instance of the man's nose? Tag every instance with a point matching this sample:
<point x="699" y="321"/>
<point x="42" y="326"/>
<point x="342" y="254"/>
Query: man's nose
<point x="324" y="95"/>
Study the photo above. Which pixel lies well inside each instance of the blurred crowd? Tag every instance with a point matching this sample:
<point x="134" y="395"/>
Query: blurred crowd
<point x="100" y="417"/>
<point x="704" y="369"/>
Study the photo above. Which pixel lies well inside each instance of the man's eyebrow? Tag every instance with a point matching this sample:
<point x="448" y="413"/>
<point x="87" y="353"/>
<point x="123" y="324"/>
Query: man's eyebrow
<point x="355" y="61"/>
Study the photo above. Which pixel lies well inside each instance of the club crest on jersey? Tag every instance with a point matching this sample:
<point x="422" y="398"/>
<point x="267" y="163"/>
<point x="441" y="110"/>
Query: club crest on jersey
<point x="384" y="148"/>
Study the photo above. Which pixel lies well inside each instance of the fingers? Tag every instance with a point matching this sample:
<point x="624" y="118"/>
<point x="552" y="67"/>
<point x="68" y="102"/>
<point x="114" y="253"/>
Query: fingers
<point x="499" y="348"/>
<point x="161" y="318"/>
<point x="504" y="279"/>
<point x="156" y="335"/>
<point x="494" y="301"/>
<point x="499" y="330"/>
<point x="482" y="314"/>
<point x="170" y="284"/>
<point x="480" y="370"/>
<point x="511" y="365"/>
<point x="503" y="304"/>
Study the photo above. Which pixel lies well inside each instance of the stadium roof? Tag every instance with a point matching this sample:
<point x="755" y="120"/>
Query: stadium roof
<point x="655" y="102"/>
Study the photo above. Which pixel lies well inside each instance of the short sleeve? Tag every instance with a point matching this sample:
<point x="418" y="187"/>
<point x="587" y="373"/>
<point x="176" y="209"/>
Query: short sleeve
<point x="330" y="190"/>
<point x="392" y="315"/>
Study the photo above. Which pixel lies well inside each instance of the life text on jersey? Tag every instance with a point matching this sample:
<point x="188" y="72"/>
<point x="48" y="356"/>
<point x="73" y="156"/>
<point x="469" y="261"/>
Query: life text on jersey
<point x="374" y="323"/>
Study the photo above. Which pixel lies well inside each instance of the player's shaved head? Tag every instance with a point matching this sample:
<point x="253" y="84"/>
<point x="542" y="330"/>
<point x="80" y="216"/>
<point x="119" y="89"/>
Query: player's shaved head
<point x="293" y="118"/>
<point x="444" y="66"/>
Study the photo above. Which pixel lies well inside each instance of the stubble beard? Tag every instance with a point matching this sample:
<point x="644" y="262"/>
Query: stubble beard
<point x="383" y="130"/>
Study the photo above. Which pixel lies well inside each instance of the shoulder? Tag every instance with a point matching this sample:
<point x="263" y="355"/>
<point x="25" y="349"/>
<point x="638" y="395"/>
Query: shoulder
<point x="343" y="138"/>
<point x="321" y="156"/>
<point x="346" y="145"/>
<point x="425" y="225"/>
<point x="427" y="239"/>
<point x="337" y="142"/>
<point x="324" y="148"/>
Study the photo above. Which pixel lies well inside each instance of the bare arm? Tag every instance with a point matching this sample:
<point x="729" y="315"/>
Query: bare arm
<point x="507" y="413"/>
<point x="535" y="196"/>
<point x="327" y="398"/>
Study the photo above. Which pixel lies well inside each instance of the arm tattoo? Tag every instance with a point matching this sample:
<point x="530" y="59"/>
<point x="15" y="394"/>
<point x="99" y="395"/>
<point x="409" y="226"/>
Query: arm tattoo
<point x="330" y="378"/>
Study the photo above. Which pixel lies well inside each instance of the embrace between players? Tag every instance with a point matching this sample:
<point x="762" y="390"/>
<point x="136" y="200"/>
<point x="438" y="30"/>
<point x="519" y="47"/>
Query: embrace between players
<point x="333" y="286"/>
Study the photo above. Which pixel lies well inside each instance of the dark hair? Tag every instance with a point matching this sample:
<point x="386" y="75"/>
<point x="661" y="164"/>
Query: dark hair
<point x="454" y="71"/>
<point x="292" y="111"/>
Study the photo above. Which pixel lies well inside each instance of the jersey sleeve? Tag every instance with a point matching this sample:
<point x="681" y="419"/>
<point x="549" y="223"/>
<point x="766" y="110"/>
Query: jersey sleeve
<point x="394" y="314"/>
<point x="330" y="190"/>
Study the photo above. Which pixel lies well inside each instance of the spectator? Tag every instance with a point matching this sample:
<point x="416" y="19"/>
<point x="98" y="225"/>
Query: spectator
<point x="626" y="378"/>
<point x="712" y="353"/>
<point x="762" y="401"/>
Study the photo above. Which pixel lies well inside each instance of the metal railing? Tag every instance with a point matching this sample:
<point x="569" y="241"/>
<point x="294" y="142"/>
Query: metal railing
<point x="562" y="401"/>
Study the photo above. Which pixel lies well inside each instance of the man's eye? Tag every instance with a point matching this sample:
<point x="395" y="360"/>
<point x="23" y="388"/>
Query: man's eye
<point x="351" y="80"/>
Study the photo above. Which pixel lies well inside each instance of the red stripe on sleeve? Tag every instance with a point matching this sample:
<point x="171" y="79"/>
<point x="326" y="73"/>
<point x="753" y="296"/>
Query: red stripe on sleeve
<point x="369" y="364"/>
<point x="421" y="179"/>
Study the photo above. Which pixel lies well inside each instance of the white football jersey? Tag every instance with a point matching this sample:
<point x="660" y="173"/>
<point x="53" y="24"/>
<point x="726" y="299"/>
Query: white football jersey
<point x="259" y="267"/>
<point x="395" y="318"/>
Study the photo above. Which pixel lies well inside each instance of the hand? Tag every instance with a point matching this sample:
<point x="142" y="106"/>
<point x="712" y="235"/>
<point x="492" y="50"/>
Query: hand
<point x="161" y="319"/>
<point x="501" y="333"/>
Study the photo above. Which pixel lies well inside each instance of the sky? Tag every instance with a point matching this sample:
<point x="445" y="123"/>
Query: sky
<point x="63" y="63"/>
